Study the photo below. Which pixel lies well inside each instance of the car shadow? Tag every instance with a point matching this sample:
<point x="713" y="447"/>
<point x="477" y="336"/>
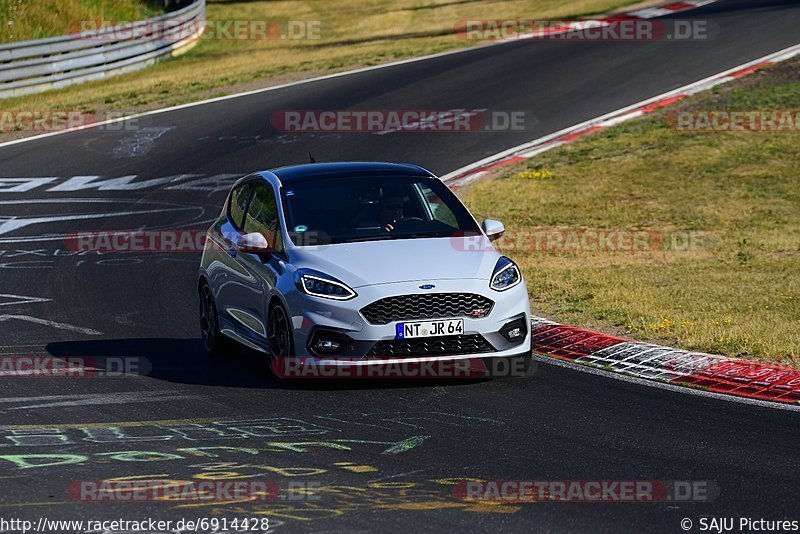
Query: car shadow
<point x="184" y="361"/>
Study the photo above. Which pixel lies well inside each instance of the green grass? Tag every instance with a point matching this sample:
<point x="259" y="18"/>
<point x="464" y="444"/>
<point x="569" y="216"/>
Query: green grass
<point x="736" y="292"/>
<point x="21" y="20"/>
<point x="353" y="33"/>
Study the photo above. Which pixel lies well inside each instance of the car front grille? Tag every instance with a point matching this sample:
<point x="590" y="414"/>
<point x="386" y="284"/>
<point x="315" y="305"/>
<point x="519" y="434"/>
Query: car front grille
<point x="427" y="306"/>
<point x="438" y="346"/>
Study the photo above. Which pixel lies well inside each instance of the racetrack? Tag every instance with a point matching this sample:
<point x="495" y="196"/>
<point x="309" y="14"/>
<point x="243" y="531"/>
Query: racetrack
<point x="558" y="424"/>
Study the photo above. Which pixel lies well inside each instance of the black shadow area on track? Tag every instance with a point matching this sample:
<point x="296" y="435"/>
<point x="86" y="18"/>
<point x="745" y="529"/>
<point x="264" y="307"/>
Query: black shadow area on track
<point x="183" y="361"/>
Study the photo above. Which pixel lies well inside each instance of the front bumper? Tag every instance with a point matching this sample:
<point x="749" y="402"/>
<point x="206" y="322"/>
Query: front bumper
<point x="310" y="315"/>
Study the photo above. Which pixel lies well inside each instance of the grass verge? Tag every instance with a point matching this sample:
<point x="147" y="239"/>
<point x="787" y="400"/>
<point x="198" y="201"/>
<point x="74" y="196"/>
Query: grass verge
<point x="717" y="213"/>
<point x="21" y="20"/>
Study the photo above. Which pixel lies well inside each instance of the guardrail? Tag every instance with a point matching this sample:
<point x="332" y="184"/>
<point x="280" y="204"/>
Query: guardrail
<point x="56" y="62"/>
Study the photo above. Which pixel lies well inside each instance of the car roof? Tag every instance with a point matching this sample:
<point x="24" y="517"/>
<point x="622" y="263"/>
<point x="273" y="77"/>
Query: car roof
<point x="299" y="173"/>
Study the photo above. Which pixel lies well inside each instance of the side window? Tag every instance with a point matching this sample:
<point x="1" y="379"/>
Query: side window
<point x="262" y="216"/>
<point x="439" y="209"/>
<point x="239" y="199"/>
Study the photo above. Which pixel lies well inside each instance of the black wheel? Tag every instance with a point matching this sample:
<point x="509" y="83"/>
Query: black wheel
<point x="214" y="342"/>
<point x="279" y="337"/>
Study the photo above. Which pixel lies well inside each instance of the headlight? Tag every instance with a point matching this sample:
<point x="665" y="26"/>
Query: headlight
<point x="506" y="275"/>
<point x="321" y="285"/>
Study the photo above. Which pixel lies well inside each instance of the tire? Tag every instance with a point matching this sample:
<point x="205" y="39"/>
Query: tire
<point x="215" y="343"/>
<point x="280" y="339"/>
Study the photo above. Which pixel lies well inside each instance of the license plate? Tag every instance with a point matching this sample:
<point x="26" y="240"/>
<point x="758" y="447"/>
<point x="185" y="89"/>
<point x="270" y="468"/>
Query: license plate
<point x="450" y="327"/>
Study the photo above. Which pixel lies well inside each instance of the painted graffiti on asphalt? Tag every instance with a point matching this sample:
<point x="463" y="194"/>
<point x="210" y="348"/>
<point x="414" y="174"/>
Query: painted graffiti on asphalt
<point x="306" y="457"/>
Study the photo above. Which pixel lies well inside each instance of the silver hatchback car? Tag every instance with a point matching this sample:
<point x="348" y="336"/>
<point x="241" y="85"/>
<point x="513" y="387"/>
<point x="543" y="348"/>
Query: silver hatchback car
<point x="359" y="264"/>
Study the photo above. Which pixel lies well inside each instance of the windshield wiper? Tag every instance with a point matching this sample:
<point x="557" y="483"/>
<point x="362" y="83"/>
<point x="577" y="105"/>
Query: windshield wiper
<point x="392" y="235"/>
<point x="366" y="238"/>
<point x="418" y="235"/>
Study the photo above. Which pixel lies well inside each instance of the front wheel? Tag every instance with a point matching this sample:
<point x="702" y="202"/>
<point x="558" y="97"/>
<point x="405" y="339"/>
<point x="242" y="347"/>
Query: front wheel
<point x="280" y="339"/>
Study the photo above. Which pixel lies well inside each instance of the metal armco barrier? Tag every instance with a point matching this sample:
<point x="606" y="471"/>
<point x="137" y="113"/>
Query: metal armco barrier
<point x="56" y="62"/>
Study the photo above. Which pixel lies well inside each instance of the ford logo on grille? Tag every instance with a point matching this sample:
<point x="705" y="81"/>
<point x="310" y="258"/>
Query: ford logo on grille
<point x="427" y="286"/>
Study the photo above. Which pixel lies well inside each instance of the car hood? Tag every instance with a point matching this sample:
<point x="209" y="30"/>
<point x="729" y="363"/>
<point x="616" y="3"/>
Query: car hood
<point x="401" y="260"/>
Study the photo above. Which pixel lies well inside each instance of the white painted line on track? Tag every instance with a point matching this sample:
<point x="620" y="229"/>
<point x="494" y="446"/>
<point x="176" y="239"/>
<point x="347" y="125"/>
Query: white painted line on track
<point x="47" y="322"/>
<point x="90" y="399"/>
<point x="17" y="300"/>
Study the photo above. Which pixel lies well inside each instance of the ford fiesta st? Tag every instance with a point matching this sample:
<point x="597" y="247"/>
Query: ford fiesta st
<point x="358" y="264"/>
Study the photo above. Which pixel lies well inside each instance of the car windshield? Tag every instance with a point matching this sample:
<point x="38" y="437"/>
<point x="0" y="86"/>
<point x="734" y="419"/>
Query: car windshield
<point x="347" y="210"/>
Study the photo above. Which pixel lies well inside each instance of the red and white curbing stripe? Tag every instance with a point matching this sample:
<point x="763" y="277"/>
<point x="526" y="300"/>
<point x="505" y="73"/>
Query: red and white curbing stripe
<point x="477" y="170"/>
<point x="660" y="11"/>
<point x="607" y="20"/>
<point x="716" y="374"/>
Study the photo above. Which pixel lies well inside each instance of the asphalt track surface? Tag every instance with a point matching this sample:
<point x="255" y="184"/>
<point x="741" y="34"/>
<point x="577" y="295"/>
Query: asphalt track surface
<point x="385" y="454"/>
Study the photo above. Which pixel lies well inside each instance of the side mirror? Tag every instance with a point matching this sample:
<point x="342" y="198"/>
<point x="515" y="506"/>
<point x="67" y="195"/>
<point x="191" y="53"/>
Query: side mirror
<point x="253" y="243"/>
<point x="494" y="230"/>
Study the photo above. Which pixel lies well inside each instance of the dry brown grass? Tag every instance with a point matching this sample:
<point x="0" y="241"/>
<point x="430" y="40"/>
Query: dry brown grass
<point x="21" y="20"/>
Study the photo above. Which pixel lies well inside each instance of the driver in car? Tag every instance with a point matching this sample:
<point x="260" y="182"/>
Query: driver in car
<point x="383" y="214"/>
<point x="391" y="211"/>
